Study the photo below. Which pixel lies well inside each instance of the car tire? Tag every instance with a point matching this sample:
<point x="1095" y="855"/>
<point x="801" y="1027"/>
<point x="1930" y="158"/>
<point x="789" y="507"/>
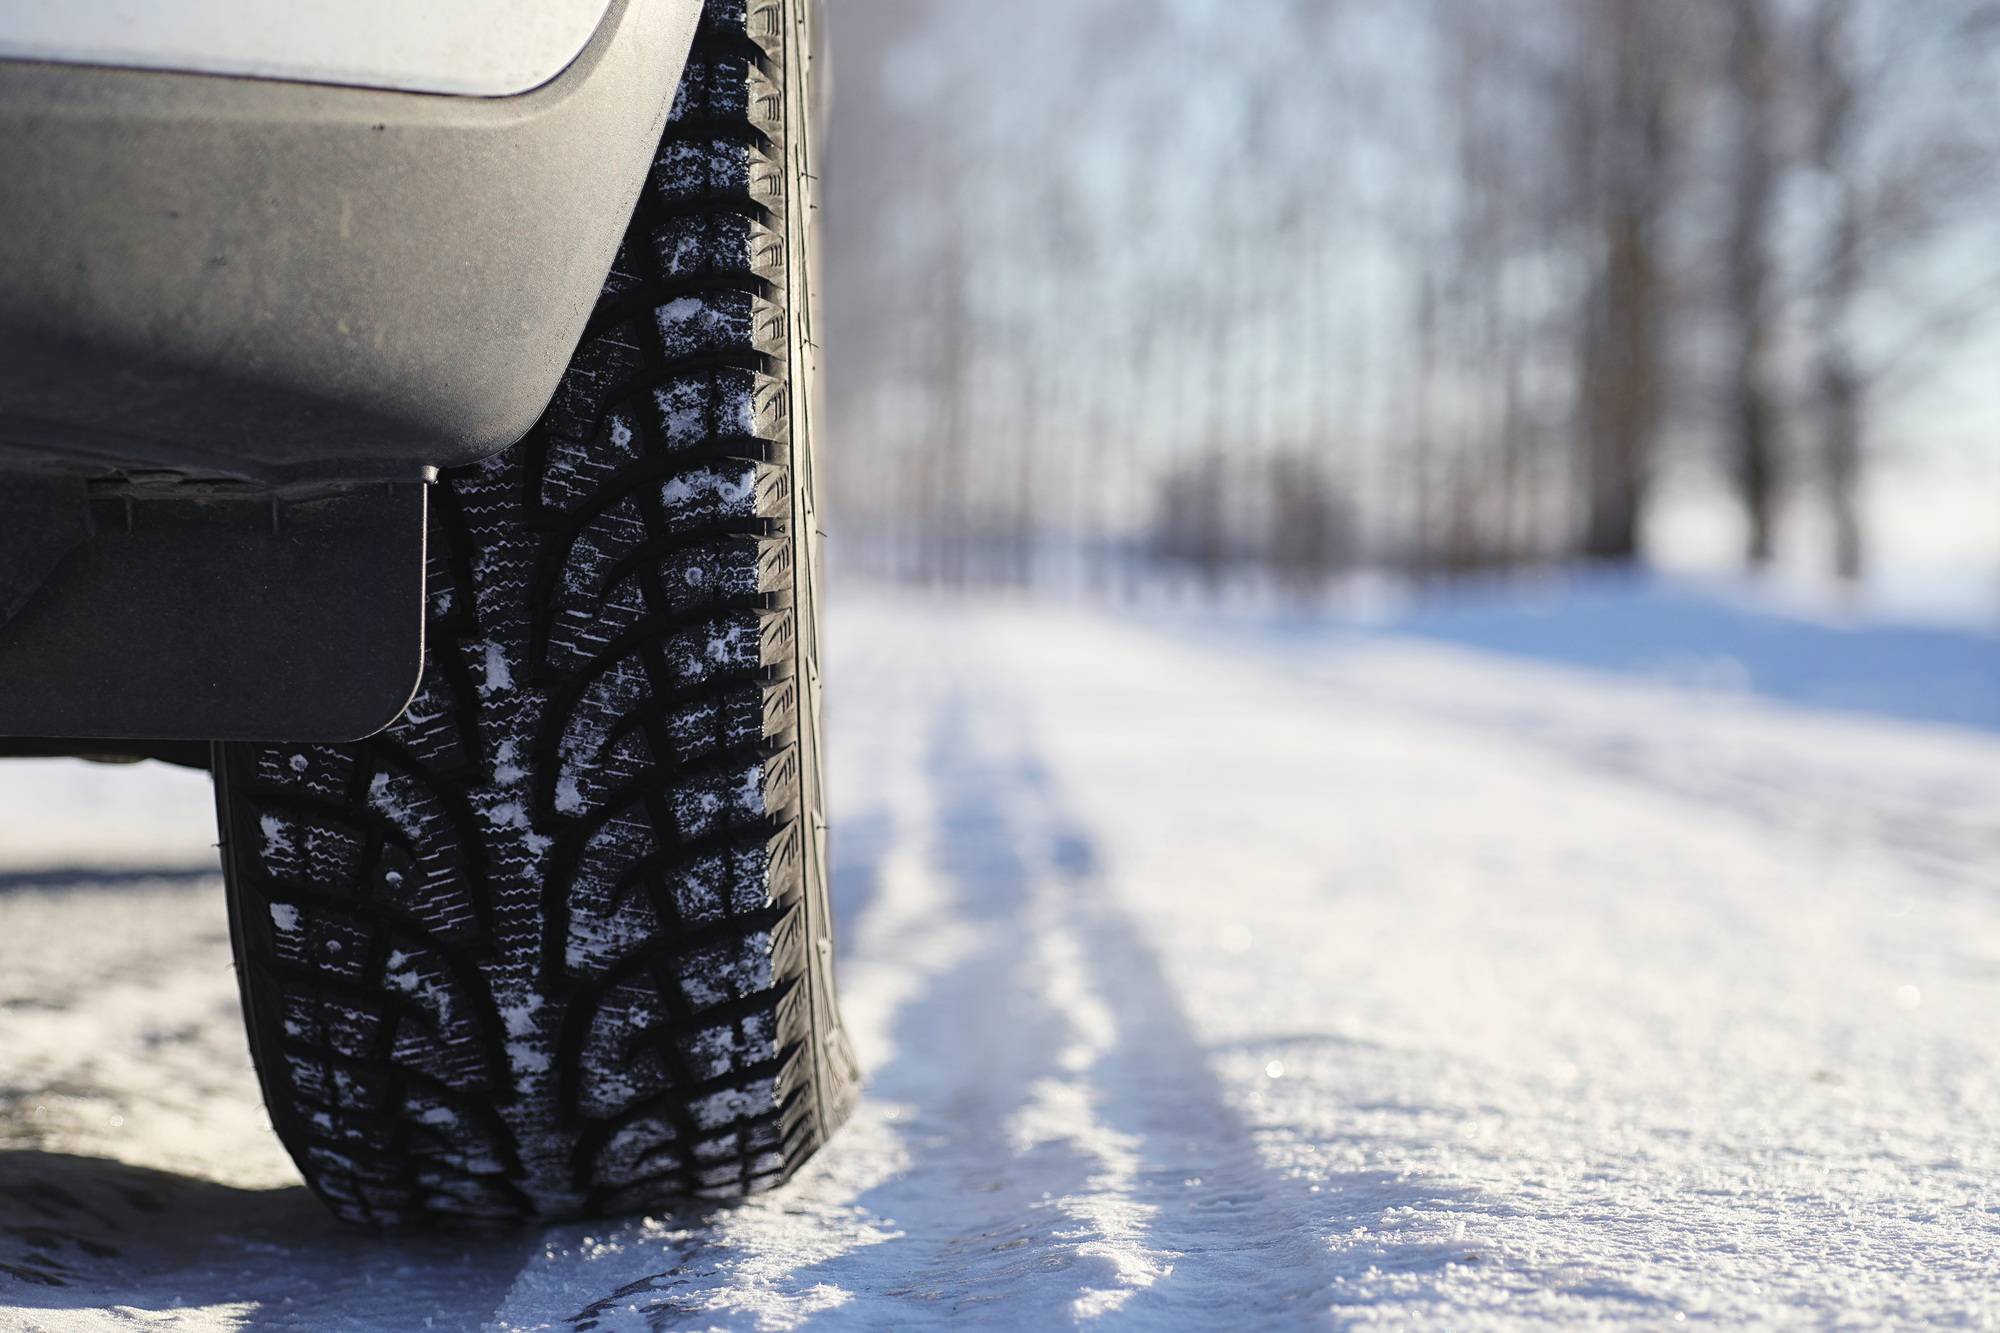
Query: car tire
<point x="556" y="943"/>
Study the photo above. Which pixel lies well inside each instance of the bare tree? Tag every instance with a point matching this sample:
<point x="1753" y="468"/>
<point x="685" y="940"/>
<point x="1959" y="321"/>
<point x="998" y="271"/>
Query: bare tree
<point x="1226" y="286"/>
<point x="1903" y="147"/>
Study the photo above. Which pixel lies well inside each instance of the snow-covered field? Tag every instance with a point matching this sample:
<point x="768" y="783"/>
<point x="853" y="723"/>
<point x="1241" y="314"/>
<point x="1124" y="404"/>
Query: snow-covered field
<point x="1210" y="976"/>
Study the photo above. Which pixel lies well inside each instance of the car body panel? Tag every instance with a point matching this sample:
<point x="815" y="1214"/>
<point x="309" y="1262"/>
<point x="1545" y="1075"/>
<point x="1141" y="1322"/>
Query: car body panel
<point x="276" y="281"/>
<point x="485" y="48"/>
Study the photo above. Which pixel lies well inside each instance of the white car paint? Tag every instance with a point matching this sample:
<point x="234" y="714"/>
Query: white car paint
<point x="484" y="48"/>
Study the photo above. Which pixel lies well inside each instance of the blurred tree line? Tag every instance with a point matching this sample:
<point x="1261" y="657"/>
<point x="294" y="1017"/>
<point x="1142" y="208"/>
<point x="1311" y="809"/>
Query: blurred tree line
<point x="1436" y="285"/>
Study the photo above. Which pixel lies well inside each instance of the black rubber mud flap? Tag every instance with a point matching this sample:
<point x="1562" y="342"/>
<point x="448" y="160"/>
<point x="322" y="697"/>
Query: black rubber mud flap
<point x="234" y="615"/>
<point x="556" y="942"/>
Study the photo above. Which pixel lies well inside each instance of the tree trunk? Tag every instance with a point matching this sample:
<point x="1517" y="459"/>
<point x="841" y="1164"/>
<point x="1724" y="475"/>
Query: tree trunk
<point x="1626" y="128"/>
<point x="1839" y="388"/>
<point x="1840" y="426"/>
<point x="1752" y="414"/>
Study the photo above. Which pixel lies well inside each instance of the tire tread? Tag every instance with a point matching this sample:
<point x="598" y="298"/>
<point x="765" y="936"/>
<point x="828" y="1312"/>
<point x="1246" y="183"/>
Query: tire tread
<point x="555" y="943"/>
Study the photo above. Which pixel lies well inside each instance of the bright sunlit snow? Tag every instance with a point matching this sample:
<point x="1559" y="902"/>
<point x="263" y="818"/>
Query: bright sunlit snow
<point x="1212" y="973"/>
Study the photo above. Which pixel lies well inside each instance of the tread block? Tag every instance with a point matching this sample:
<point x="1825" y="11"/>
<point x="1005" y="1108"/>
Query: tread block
<point x="697" y="245"/>
<point x="697" y="405"/>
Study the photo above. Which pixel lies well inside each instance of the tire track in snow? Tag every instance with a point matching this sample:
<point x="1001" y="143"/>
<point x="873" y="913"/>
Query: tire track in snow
<point x="1926" y="793"/>
<point x="1555" y="1050"/>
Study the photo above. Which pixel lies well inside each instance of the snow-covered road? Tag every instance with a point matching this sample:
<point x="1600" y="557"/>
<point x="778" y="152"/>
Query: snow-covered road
<point x="1205" y="980"/>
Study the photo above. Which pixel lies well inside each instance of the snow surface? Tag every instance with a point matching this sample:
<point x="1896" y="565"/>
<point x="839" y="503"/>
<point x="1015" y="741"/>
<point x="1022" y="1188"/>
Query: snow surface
<point x="1724" y="639"/>
<point x="1209" y="975"/>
